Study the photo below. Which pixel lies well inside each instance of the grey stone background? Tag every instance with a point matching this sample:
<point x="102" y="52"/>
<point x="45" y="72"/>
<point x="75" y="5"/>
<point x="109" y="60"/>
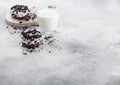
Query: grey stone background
<point x="89" y="34"/>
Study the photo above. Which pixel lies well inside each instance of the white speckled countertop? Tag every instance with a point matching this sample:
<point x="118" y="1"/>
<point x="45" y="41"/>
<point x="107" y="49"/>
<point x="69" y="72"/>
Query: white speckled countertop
<point x="89" y="34"/>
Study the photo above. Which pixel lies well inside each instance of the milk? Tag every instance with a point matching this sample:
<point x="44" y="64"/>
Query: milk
<point x="48" y="19"/>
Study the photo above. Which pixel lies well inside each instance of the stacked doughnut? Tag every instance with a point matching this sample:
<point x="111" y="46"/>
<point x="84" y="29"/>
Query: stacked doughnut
<point x="31" y="38"/>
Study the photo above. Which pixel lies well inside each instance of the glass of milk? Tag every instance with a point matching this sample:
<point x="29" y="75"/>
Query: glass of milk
<point x="48" y="19"/>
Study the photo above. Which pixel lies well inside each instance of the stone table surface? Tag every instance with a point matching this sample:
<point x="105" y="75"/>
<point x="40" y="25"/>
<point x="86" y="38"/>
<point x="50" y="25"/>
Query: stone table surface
<point x="89" y="35"/>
